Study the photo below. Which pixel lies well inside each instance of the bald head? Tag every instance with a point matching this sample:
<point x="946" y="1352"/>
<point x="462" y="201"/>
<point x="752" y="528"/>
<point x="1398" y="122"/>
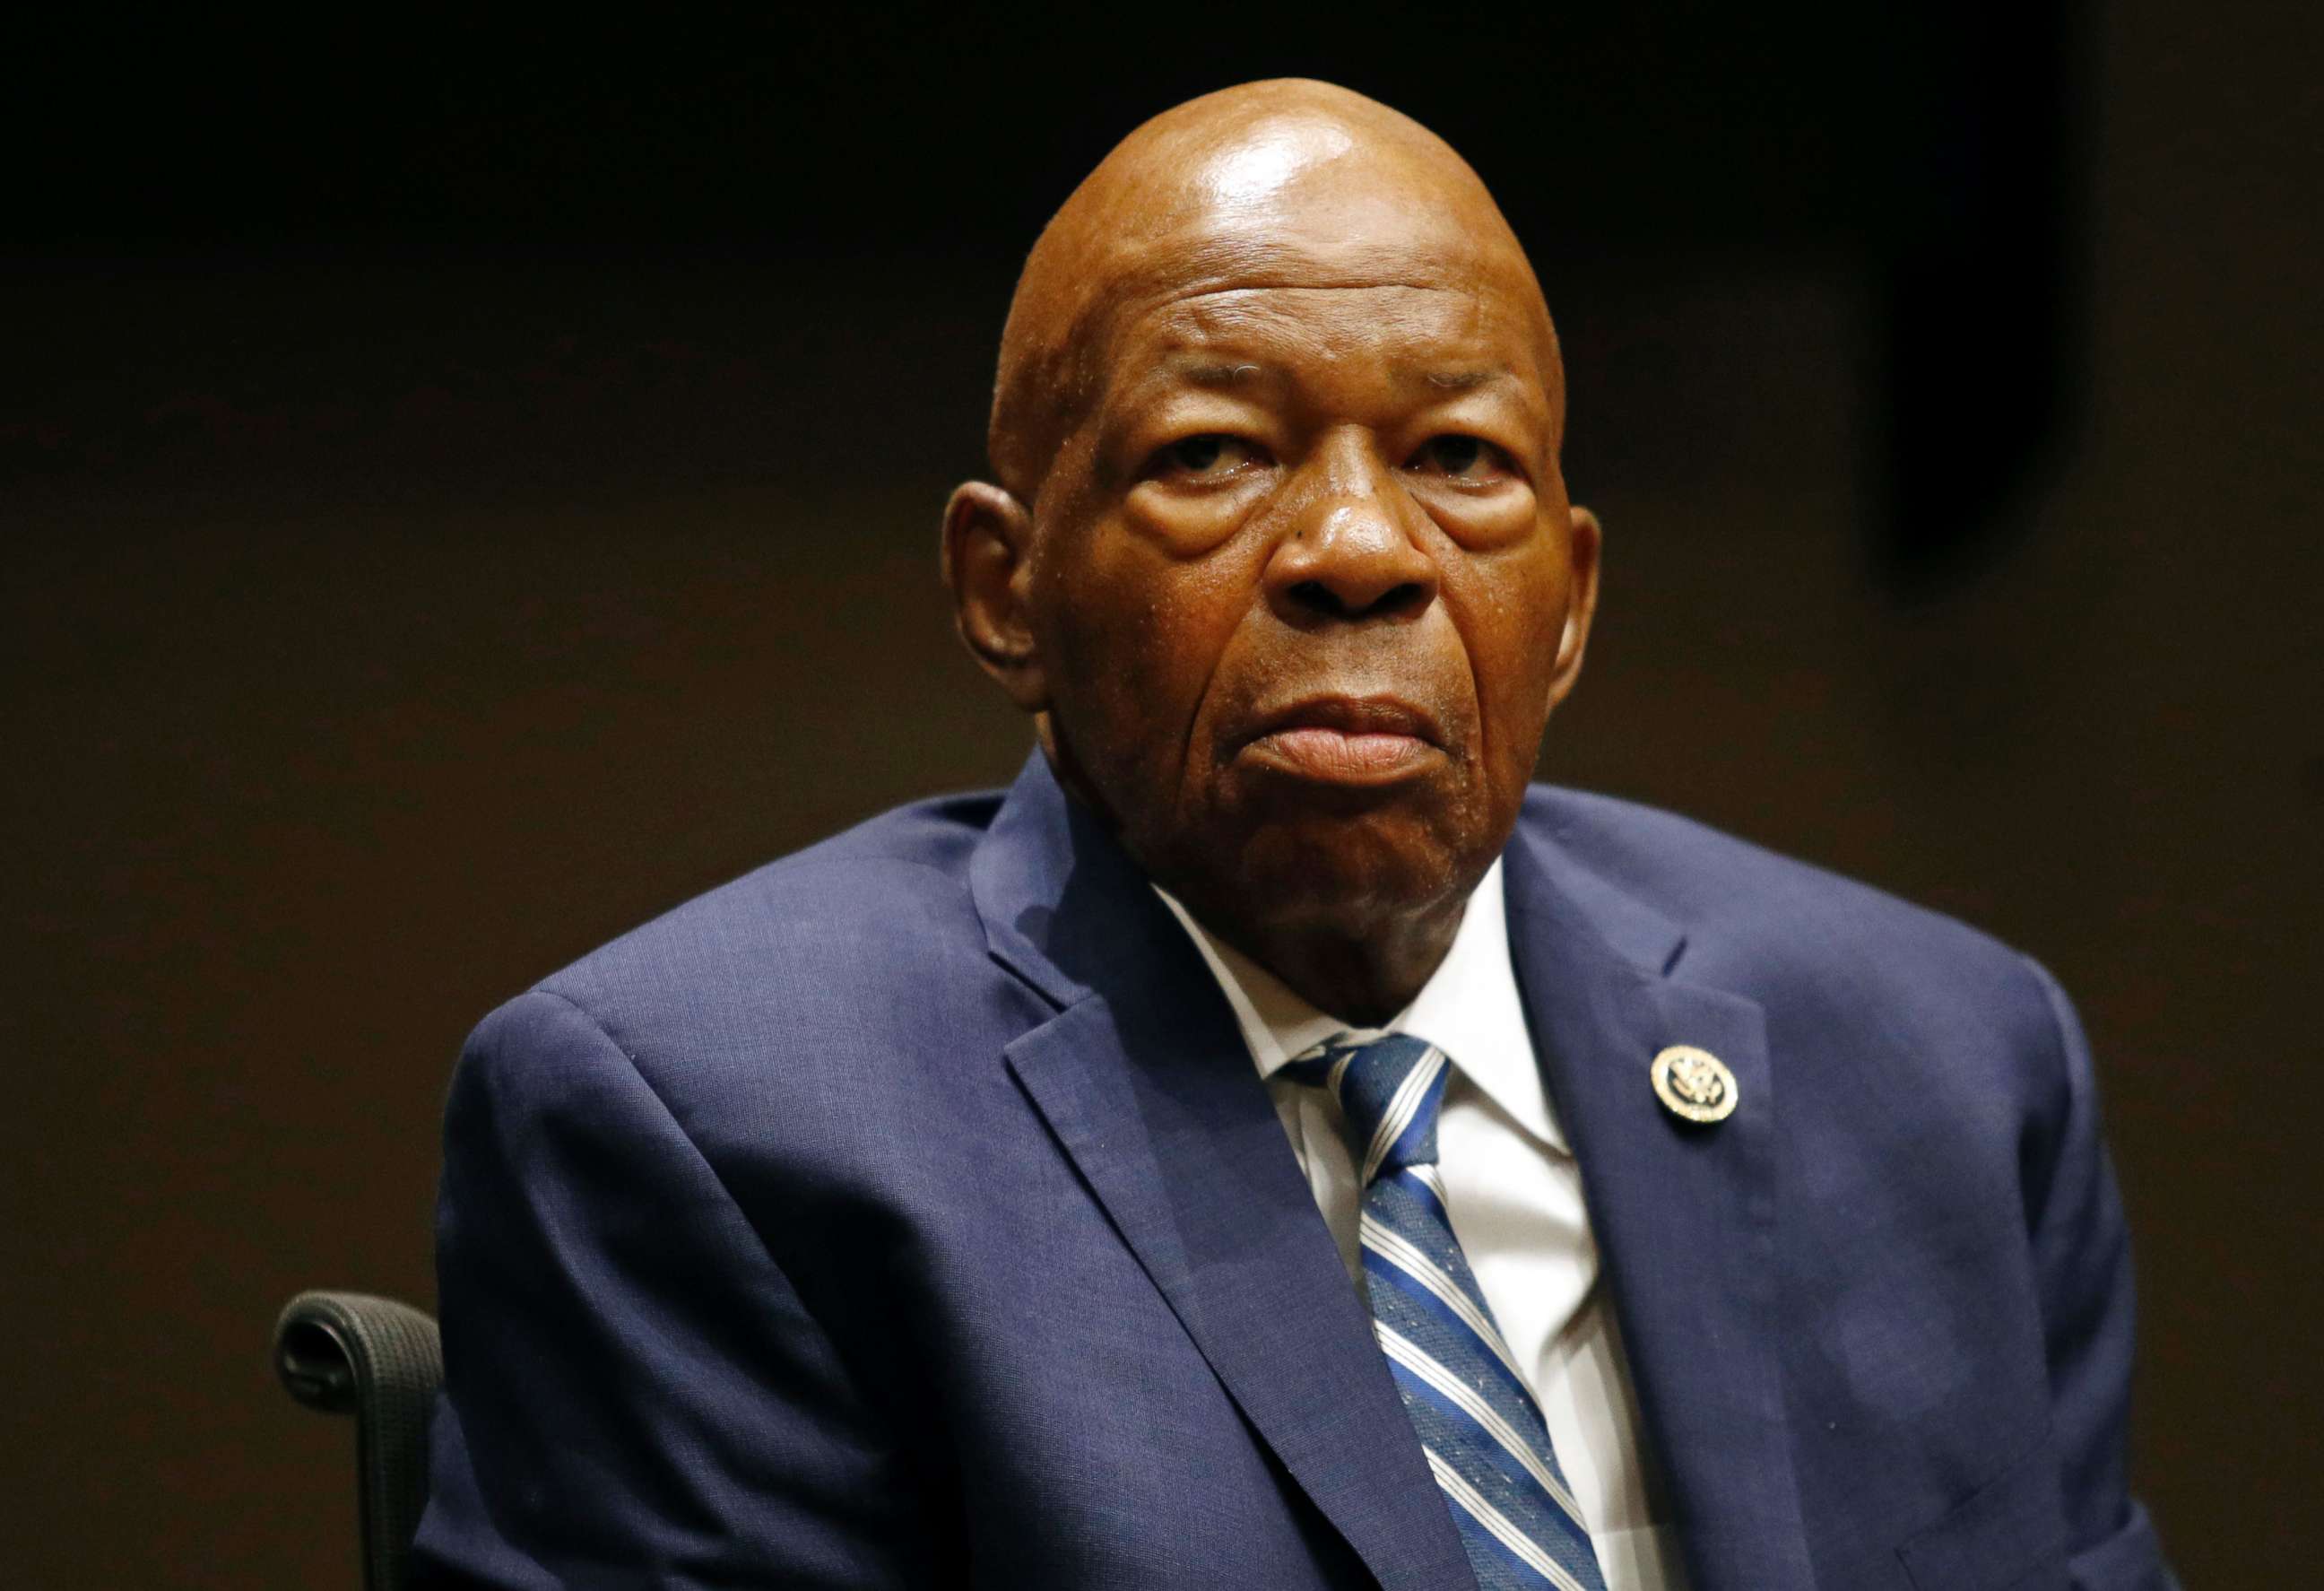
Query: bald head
<point x="1288" y="183"/>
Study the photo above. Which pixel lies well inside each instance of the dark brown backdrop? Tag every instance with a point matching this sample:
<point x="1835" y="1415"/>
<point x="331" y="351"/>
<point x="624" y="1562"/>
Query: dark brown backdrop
<point x="398" y="606"/>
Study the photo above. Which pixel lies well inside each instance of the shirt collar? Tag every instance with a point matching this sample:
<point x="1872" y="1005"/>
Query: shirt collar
<point x="1468" y="1008"/>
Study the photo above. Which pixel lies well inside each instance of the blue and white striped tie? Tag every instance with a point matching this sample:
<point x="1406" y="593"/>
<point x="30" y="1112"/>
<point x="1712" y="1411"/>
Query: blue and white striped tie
<point x="1484" y="1436"/>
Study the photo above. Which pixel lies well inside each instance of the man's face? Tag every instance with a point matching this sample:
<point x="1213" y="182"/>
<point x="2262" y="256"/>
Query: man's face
<point x="1304" y="583"/>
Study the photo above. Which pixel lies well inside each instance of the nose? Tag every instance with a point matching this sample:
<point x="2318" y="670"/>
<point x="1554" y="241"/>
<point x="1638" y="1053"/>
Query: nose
<point x="1348" y="551"/>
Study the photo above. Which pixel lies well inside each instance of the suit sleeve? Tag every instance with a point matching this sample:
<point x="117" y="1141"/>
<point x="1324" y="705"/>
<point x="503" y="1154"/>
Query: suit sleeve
<point x="634" y="1394"/>
<point x="2081" y="1257"/>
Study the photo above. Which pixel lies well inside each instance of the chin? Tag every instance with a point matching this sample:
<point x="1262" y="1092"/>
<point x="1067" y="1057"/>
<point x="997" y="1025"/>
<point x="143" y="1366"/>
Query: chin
<point x="1348" y="869"/>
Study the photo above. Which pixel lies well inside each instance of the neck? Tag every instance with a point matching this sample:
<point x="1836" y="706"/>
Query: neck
<point x="1364" y="979"/>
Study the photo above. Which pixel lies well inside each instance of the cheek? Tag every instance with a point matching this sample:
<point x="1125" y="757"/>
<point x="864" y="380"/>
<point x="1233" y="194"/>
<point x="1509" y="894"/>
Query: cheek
<point x="1139" y="635"/>
<point x="1514" y="606"/>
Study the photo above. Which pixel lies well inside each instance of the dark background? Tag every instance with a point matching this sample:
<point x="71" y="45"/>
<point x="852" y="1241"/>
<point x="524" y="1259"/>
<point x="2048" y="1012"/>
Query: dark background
<point x="469" y="487"/>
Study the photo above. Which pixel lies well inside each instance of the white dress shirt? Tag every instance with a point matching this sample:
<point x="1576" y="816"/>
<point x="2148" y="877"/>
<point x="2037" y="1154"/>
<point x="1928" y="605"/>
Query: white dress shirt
<point x="1514" y="1195"/>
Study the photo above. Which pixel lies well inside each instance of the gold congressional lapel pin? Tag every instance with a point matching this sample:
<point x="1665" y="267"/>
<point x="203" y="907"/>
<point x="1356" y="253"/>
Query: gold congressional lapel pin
<point x="1694" y="1084"/>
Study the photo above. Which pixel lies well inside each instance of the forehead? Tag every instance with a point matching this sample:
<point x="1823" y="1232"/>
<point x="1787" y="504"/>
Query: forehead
<point x="1412" y="310"/>
<point x="1393" y="323"/>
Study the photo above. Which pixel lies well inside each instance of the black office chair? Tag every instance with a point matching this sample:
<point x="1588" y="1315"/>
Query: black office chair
<point x="348" y="1353"/>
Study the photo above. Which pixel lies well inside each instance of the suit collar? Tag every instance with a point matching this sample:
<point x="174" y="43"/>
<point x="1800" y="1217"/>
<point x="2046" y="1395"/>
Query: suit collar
<point x="1144" y="1078"/>
<point x="1040" y="845"/>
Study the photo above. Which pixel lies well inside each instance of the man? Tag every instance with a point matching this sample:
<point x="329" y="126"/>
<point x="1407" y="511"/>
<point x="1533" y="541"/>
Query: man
<point x="1270" y="1145"/>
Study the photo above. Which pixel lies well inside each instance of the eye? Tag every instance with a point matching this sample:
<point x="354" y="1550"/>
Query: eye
<point x="1472" y="459"/>
<point x="1211" y="456"/>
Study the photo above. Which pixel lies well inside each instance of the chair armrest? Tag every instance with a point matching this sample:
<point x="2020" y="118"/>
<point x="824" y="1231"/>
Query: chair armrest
<point x="348" y="1353"/>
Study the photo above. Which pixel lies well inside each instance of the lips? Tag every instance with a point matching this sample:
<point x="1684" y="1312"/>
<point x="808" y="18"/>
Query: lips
<point x="1347" y="740"/>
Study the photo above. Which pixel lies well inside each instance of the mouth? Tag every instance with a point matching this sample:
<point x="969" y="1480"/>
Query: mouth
<point x="1348" y="740"/>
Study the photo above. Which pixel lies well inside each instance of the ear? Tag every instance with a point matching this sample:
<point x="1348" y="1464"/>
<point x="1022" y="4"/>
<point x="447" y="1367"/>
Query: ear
<point x="1583" y="540"/>
<point x="987" y="540"/>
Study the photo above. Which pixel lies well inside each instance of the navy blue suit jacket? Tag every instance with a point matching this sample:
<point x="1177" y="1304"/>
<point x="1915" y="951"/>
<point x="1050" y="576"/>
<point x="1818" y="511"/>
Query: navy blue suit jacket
<point x="909" y="1213"/>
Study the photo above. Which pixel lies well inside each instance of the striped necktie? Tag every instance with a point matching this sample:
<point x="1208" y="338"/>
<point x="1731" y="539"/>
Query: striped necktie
<point x="1484" y="1436"/>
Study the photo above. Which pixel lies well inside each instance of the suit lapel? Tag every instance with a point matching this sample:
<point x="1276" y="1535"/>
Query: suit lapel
<point x="1683" y="1214"/>
<point x="1145" y="1082"/>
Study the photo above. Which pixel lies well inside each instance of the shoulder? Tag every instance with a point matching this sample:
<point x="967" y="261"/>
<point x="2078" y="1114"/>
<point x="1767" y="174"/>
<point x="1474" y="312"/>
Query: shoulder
<point x="861" y="943"/>
<point x="896" y="882"/>
<point x="1811" y="945"/>
<point x="1713" y="884"/>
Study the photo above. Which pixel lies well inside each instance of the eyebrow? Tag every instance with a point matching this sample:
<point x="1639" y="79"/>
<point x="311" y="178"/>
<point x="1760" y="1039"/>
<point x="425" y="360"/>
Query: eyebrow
<point x="1458" y="381"/>
<point x="1198" y="368"/>
<point x="1212" y="374"/>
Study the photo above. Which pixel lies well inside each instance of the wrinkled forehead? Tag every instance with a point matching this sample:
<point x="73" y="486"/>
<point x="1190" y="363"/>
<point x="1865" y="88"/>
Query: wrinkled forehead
<point x="1364" y="279"/>
<point x="1283" y="302"/>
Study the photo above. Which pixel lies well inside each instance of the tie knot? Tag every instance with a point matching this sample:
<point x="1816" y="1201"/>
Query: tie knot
<point x="1389" y="1091"/>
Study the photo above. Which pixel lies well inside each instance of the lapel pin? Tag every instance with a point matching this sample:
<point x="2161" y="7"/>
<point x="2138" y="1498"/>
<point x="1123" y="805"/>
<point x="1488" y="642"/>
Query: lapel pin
<point x="1694" y="1084"/>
